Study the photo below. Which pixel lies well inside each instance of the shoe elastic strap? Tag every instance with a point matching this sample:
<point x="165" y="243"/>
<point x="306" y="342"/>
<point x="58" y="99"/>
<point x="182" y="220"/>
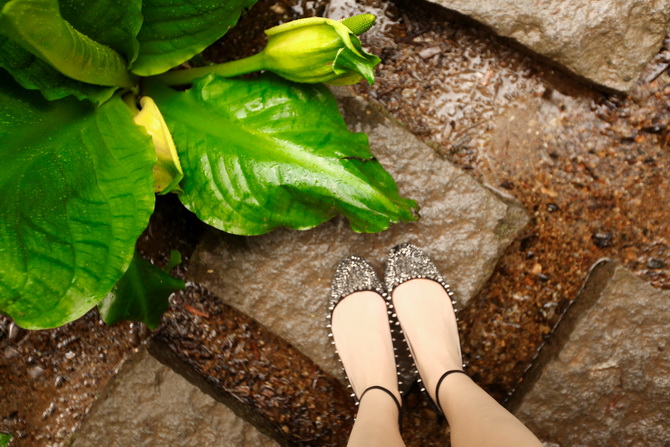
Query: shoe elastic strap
<point x="439" y="382"/>
<point x="395" y="399"/>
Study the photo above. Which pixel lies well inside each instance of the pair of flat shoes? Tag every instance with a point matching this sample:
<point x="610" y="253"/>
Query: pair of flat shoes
<point x="405" y="262"/>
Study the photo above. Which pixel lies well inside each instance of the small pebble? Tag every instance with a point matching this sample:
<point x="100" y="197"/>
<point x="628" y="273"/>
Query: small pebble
<point x="655" y="263"/>
<point x="14" y="331"/>
<point x="35" y="372"/>
<point x="278" y="9"/>
<point x="60" y="380"/>
<point x="602" y="239"/>
<point x="507" y="184"/>
<point x="10" y="352"/>
<point x="429" y="52"/>
<point x="49" y="411"/>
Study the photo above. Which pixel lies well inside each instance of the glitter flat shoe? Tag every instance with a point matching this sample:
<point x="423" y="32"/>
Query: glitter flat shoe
<point x="407" y="262"/>
<point x="355" y="274"/>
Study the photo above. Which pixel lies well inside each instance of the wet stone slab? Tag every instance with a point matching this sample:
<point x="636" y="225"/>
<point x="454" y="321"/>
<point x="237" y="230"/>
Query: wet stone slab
<point x="258" y="375"/>
<point x="282" y="279"/>
<point x="608" y="42"/>
<point x="149" y="404"/>
<point x="603" y="378"/>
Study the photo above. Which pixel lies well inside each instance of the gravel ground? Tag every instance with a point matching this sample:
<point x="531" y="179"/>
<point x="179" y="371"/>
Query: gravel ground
<point x="50" y="378"/>
<point x="590" y="167"/>
<point x="254" y="372"/>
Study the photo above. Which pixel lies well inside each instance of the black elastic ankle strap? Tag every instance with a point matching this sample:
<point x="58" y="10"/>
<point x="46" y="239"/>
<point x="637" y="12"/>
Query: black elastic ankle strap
<point x="395" y="399"/>
<point x="439" y="382"/>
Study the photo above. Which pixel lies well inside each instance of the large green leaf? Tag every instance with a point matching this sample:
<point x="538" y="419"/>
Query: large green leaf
<point x="35" y="74"/>
<point x="114" y="23"/>
<point x="175" y="30"/>
<point x="77" y="191"/>
<point x="141" y="294"/>
<point x="263" y="153"/>
<point x="38" y="27"/>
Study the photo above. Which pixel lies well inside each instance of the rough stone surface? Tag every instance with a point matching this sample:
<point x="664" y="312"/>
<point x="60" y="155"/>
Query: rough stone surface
<point x="603" y="378"/>
<point x="150" y="405"/>
<point x="282" y="279"/>
<point x="261" y="377"/>
<point x="606" y="41"/>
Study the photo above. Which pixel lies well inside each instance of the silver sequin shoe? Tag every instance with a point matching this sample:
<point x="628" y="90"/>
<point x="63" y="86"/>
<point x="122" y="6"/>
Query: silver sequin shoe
<point x="407" y="262"/>
<point x="355" y="274"/>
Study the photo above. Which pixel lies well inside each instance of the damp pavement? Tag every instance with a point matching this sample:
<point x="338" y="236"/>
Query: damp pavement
<point x="528" y="176"/>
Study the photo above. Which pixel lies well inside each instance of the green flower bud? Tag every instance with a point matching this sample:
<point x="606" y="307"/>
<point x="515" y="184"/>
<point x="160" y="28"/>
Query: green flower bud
<point x="307" y="50"/>
<point x="320" y="50"/>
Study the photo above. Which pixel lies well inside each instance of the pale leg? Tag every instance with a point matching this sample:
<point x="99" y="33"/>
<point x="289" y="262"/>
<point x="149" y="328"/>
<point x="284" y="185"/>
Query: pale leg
<point x="476" y="419"/>
<point x="376" y="422"/>
<point x="363" y="340"/>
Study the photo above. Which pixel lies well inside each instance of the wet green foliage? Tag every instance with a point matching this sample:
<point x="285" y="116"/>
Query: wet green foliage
<point x="77" y="192"/>
<point x="173" y="33"/>
<point x="5" y="439"/>
<point x="78" y="177"/>
<point x="141" y="294"/>
<point x="263" y="153"/>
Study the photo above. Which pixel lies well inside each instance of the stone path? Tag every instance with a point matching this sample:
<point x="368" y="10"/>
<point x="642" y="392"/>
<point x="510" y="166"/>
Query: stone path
<point x="600" y="380"/>
<point x="213" y="375"/>
<point x="603" y="378"/>
<point x="463" y="226"/>
<point x="149" y="404"/>
<point x="607" y="42"/>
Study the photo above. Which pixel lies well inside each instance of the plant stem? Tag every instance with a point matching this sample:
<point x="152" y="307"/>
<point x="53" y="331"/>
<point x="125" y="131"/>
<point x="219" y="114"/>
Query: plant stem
<point x="226" y="69"/>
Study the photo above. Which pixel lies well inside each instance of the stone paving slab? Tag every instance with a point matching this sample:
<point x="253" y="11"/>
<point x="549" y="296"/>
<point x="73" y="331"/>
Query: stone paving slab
<point x="603" y="379"/>
<point x="148" y="404"/>
<point x="262" y="378"/>
<point x="608" y="42"/>
<point x="282" y="279"/>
